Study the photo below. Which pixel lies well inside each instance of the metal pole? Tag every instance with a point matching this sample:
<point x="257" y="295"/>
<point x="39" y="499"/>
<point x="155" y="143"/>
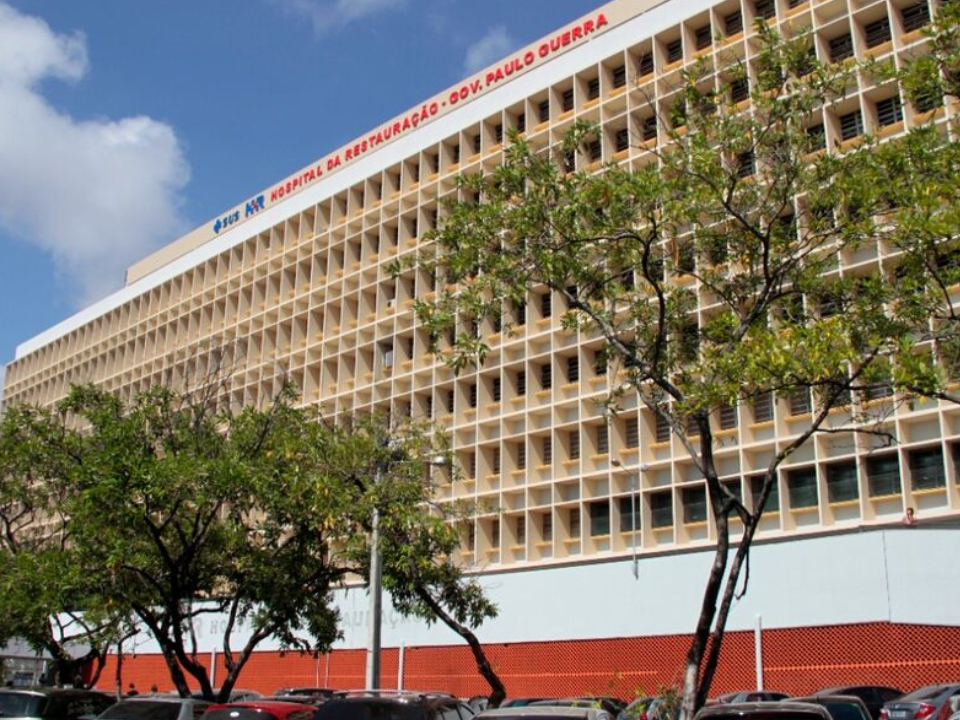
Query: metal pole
<point x="633" y="516"/>
<point x="403" y="652"/>
<point x="376" y="593"/>
<point x="758" y="650"/>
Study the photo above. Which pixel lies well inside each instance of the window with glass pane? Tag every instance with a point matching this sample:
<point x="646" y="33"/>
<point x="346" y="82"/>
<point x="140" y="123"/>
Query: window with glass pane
<point x="663" y="428"/>
<point x="694" y="505"/>
<point x="593" y="88"/>
<point x="645" y="64"/>
<point x="472" y="465"/>
<point x="546" y="305"/>
<point x="568" y="100"/>
<point x="661" y="509"/>
<point x="765" y="9"/>
<point x="573" y="369"/>
<point x="733" y="23"/>
<point x="763" y="407"/>
<point x="629" y="513"/>
<point x="547" y="450"/>
<point x="877" y="32"/>
<point x="674" y="50"/>
<point x="728" y="417"/>
<point x="648" y="128"/>
<point x="620" y="76"/>
<point x="543" y="110"/>
<point x="735" y="488"/>
<point x="889" y="111"/>
<point x="915" y="16"/>
<point x="521" y="383"/>
<point x="522" y="456"/>
<point x="851" y="125"/>
<point x="841" y="47"/>
<point x="802" y="488"/>
<point x="603" y="440"/>
<point x="599" y="518"/>
<point x="773" y="500"/>
<point x="495" y="390"/>
<point x="800" y="403"/>
<point x="574" y="523"/>
<point x="816" y="137"/>
<point x="496" y="461"/>
<point x="472" y="391"/>
<point x="631" y="432"/>
<point x="842" y="484"/>
<point x="691" y="428"/>
<point x="739" y="90"/>
<point x="926" y="469"/>
<point x="883" y="475"/>
<point x="622" y="139"/>
<point x="704" y="37"/>
<point x="574" y="440"/>
<point x="547" y="527"/>
<point x="521" y="530"/>
<point x="546" y="376"/>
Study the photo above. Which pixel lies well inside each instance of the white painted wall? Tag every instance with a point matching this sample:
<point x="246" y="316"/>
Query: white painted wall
<point x="828" y="580"/>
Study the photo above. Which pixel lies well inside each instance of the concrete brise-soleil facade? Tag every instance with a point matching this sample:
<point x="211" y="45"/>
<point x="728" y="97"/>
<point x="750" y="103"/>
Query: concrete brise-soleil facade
<point x="298" y="277"/>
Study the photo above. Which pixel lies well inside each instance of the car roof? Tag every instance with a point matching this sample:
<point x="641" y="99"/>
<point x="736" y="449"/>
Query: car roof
<point x="829" y="697"/>
<point x="749" y="708"/>
<point x="540" y="710"/>
<point x="274" y="706"/>
<point x="45" y="691"/>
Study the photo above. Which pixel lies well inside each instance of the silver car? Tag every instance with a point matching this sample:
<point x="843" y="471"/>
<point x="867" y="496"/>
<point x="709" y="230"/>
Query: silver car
<point x="926" y="703"/>
<point x="156" y="707"/>
<point x="545" y="712"/>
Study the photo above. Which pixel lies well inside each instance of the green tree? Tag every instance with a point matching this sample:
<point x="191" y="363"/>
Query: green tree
<point x="709" y="278"/>
<point x="418" y="538"/>
<point x="169" y="510"/>
<point x="44" y="599"/>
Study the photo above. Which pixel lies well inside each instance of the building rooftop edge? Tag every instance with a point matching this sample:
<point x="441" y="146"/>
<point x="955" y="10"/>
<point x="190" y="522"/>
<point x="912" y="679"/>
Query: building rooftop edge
<point x="464" y="92"/>
<point x="141" y="275"/>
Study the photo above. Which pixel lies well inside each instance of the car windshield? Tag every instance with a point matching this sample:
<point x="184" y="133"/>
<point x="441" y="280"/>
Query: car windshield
<point x="21" y="704"/>
<point x="142" y="710"/>
<point x="845" y="711"/>
<point x="368" y="709"/>
<point x="766" y="715"/>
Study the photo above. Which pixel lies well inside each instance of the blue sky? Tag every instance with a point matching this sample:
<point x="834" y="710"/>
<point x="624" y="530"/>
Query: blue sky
<point x="124" y="124"/>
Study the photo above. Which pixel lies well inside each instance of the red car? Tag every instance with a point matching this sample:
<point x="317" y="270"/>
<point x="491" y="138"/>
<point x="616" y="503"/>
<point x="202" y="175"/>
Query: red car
<point x="260" y="710"/>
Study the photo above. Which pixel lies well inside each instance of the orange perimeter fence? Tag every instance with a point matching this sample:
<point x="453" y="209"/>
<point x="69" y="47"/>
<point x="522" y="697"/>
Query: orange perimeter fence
<point x="796" y="661"/>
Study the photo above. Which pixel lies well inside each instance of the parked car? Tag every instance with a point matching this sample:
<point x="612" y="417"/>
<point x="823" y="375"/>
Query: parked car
<point x="840" y="707"/>
<point x="156" y="707"/>
<point x="546" y="712"/>
<point x="930" y="701"/>
<point x="260" y="710"/>
<point x="783" y="710"/>
<point x="954" y="703"/>
<point x="520" y="702"/>
<point x="393" y="705"/>
<point x="741" y="696"/>
<point x="873" y="696"/>
<point x="52" y="703"/>
<point x="612" y="705"/>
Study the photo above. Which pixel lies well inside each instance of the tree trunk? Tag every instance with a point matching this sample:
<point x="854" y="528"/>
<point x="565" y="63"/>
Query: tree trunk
<point x="498" y="692"/>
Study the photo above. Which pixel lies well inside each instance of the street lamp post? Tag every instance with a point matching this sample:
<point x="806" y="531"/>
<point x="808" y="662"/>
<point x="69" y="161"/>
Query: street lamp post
<point x="375" y="585"/>
<point x="634" y="490"/>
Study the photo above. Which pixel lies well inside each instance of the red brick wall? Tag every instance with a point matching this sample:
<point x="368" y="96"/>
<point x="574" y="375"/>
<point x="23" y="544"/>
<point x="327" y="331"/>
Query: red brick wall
<point x="796" y="661"/>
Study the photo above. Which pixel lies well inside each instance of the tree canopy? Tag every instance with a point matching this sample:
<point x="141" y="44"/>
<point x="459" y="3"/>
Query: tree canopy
<point x="737" y="264"/>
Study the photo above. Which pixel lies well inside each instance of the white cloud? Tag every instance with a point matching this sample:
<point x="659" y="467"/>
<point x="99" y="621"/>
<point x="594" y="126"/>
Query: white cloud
<point x="327" y="15"/>
<point x="94" y="194"/>
<point x="487" y="50"/>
